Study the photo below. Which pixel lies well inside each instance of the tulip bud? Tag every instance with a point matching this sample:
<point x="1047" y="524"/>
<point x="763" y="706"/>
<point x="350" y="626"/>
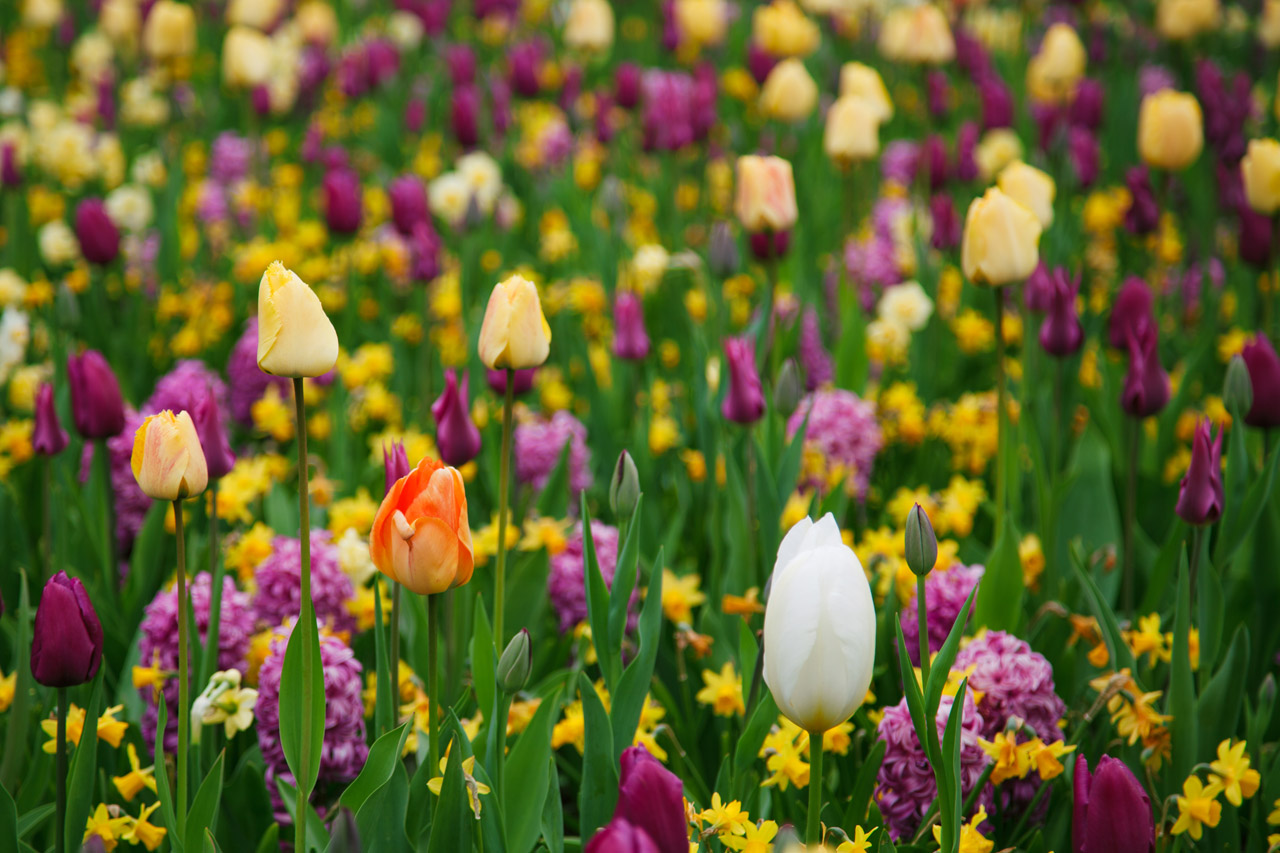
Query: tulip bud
<point x="620" y="836"/>
<point x="921" y="547"/>
<point x="744" y="403"/>
<point x="1029" y="187"/>
<point x="515" y="663"/>
<point x="342" y="201"/>
<point x="66" y="642"/>
<point x="514" y="332"/>
<point x="395" y="463"/>
<point x="521" y="380"/>
<point x="48" y="438"/>
<point x="167" y="459"/>
<point x="766" y="194"/>
<point x="96" y="406"/>
<point x="295" y="336"/>
<point x="624" y="488"/>
<point x="1111" y="811"/>
<point x="1061" y="333"/>
<point x="1264" y="377"/>
<point x="1170" y="130"/>
<point x="344" y="837"/>
<point x="1132" y="307"/>
<point x="99" y="238"/>
<point x="457" y="437"/>
<point x="408" y="203"/>
<point x="1200" y="495"/>
<point x="421" y="537"/>
<point x="1143" y="214"/>
<point x="722" y="253"/>
<point x="1237" y="389"/>
<point x="788" y="389"/>
<point x="1146" y="385"/>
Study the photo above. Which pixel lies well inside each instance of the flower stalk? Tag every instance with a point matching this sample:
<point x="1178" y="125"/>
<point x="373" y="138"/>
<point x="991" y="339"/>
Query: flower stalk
<point x="504" y="480"/>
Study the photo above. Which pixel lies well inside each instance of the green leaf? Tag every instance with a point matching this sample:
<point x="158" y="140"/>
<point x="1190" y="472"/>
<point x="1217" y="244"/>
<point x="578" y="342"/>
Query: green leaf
<point x="1000" y="606"/>
<point x="624" y="578"/>
<point x="84" y="766"/>
<point x="15" y="745"/>
<point x="633" y="687"/>
<point x="768" y="513"/>
<point x="204" y="808"/>
<point x="9" y="833"/>
<point x="451" y="826"/>
<point x="790" y="462"/>
<point x="210" y="844"/>
<point x="1182" y="696"/>
<point x="270" y="842"/>
<point x="553" y="501"/>
<point x="293" y="684"/>
<point x="1116" y="646"/>
<point x="951" y="766"/>
<point x="863" y="785"/>
<point x="524" y="802"/>
<point x="911" y="690"/>
<point x="163" y="792"/>
<point x="384" y="710"/>
<point x="597" y="602"/>
<point x="552" y="812"/>
<point x="384" y="755"/>
<point x="380" y="820"/>
<point x="599" y="790"/>
<point x="34" y="819"/>
<point x="1219" y="706"/>
<point x="317" y="833"/>
<point x="1235" y="526"/>
<point x="748" y="746"/>
<point x="1210" y="604"/>
<point x="1165" y="564"/>
<point x="483" y="657"/>
<point x="941" y="666"/>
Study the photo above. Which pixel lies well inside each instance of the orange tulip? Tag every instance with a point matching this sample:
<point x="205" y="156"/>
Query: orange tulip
<point x="420" y="536"/>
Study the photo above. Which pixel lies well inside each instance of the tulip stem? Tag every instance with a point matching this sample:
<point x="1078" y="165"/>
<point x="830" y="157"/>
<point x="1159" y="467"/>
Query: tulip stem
<point x="1130" y="508"/>
<point x="1000" y="413"/>
<point x="433" y="682"/>
<point x="922" y="619"/>
<point x="209" y="657"/>
<point x="394" y="657"/>
<point x="48" y="518"/>
<point x="61" y="829"/>
<point x="813" y="833"/>
<point x="504" y="476"/>
<point x="308" y="663"/>
<point x="184" y="675"/>
<point x="102" y="459"/>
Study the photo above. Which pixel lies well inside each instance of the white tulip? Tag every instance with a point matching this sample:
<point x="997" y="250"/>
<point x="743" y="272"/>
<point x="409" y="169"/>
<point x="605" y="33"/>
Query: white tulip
<point x="819" y="628"/>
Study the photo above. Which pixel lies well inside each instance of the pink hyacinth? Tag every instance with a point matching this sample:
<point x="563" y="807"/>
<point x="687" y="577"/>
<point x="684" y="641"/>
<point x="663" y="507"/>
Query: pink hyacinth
<point x="842" y="426"/>
<point x="1015" y="682"/>
<point x="279" y="596"/>
<point x="159" y="630"/>
<point x="946" y="592"/>
<point x="184" y="387"/>
<point x="814" y="358"/>
<point x="565" y="581"/>
<point x="905" y="787"/>
<point x="539" y="443"/>
<point x="344" y="751"/>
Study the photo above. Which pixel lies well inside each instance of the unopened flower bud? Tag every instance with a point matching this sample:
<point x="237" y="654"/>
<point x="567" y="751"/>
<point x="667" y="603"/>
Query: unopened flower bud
<point x="516" y="663"/>
<point x="1237" y="390"/>
<point x="921" y="543"/>
<point x="624" y="488"/>
<point x="788" y="389"/>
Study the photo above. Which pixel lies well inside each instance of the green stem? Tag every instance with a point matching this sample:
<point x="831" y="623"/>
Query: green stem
<point x="499" y="728"/>
<point x="48" y="520"/>
<point x="433" y="684"/>
<point x="184" y="675"/>
<point x="209" y="660"/>
<point x="922" y="619"/>
<point x="504" y="476"/>
<point x="813" y="833"/>
<point x="394" y="657"/>
<point x="109" y="571"/>
<point x="308" y="663"/>
<point x="61" y="829"/>
<point x="1197" y="539"/>
<point x="1000" y="414"/>
<point x="1134" y="428"/>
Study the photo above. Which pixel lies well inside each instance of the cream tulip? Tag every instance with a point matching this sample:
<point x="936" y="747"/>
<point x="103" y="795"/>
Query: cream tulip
<point x="170" y="30"/>
<point x="1170" y="130"/>
<point x="168" y="461"/>
<point x="819" y="628"/>
<point x="789" y="93"/>
<point x="514" y="332"/>
<point x="864" y="81"/>
<point x="247" y="58"/>
<point x="1031" y="188"/>
<point x="766" y="194"/>
<point x="1001" y="240"/>
<point x="853" y="130"/>
<point x="295" y="336"/>
<point x="589" y="27"/>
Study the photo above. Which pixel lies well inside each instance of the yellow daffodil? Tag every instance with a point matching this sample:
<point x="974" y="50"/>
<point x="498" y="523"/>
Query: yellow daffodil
<point x="474" y="788"/>
<point x="1198" y="807"/>
<point x="131" y="783"/>
<point x="680" y="594"/>
<point x="725" y="818"/>
<point x="754" y="839"/>
<point x="1231" y="772"/>
<point x="722" y="691"/>
<point x="860" y="843"/>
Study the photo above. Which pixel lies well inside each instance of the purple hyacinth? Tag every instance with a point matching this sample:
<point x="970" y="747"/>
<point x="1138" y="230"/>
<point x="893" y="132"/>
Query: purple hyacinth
<point x="248" y="382"/>
<point x="159" y="631"/>
<point x="842" y="426"/>
<point x="898" y="161"/>
<point x="946" y="591"/>
<point x="814" y="358"/>
<point x="1015" y="682"/>
<point x="539" y="443"/>
<point x="344" y="751"/>
<point x="230" y="157"/>
<point x="184" y="387"/>
<point x="905" y="788"/>
<point x="565" y="580"/>
<point x="279" y="597"/>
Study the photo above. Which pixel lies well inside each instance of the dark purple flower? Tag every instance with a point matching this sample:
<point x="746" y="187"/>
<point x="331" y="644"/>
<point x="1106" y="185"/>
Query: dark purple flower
<point x="971" y="54"/>
<point x="424" y="252"/>
<point x="947" y="228"/>
<point x="342" y="201"/>
<point x="408" y="203"/>
<point x="383" y="61"/>
<point x="651" y="798"/>
<point x="630" y="340"/>
<point x="457" y="436"/>
<point x="1038" y="293"/>
<point x="461" y="60"/>
<point x="769" y="245"/>
<point x="744" y="402"/>
<point x="213" y="436"/>
<point x="464" y="115"/>
<point x="1257" y="233"/>
<point x="620" y="837"/>
<point x="626" y="85"/>
<point x="521" y="380"/>
<point x="1143" y="214"/>
<point x="96" y="406"/>
<point x="997" y="102"/>
<point x="395" y="463"/>
<point x="1089" y="104"/>
<point x="1111" y="812"/>
<point x="66" y="642"/>
<point x="415" y="115"/>
<point x="1200" y="493"/>
<point x="933" y="157"/>
<point x="523" y="64"/>
<point x="10" y="171"/>
<point x="760" y="62"/>
<point x="1146" y="386"/>
<point x="99" y="238"/>
<point x="1264" y="374"/>
<point x="1061" y="333"/>
<point x="1082" y="147"/>
<point x="48" y="437"/>
<point x="1132" y="306"/>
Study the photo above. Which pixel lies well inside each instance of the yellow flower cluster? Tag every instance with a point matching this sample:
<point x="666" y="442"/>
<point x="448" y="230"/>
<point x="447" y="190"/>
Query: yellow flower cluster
<point x="1229" y="775"/>
<point x="1013" y="760"/>
<point x="968" y="427"/>
<point x="571" y="729"/>
<point x="1134" y="715"/>
<point x="786" y="749"/>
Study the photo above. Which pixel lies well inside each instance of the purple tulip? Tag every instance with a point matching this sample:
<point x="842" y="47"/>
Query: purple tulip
<point x="424" y="252"/>
<point x="604" y="117"/>
<point x="1146" y="386"/>
<point x="626" y="85"/>
<point x="461" y="60"/>
<point x="760" y="62"/>
<point x="1038" y="293"/>
<point x="10" y="171"/>
<point x="1061" y="333"/>
<point x="260" y="99"/>
<point x="408" y="203"/>
<point x="382" y="62"/>
<point x="621" y="837"/>
<point x="99" y="238"/>
<point x="1200" y="494"/>
<point x="457" y="436"/>
<point x="48" y="437"/>
<point x="415" y="115"/>
<point x="1089" y="104"/>
<point x="744" y="402"/>
<point x="630" y="340"/>
<point x="464" y="115"/>
<point x="966" y="145"/>
<point x="395" y="463"/>
<point x="1111" y="812"/>
<point x="342" y="200"/>
<point x="213" y="436"/>
<point x="939" y="94"/>
<point x="1257" y="233"/>
<point x="651" y="798"/>
<point x="769" y="245"/>
<point x="96" y="405"/>
<point x="1143" y="214"/>
<point x="524" y="61"/>
<point x="971" y="54"/>
<point x="947" y="228"/>
<point x="997" y="102"/>
<point x="500" y="101"/>
<point x="1264" y="374"/>
<point x="521" y="381"/>
<point x="933" y="156"/>
<point x="1132" y="307"/>
<point x="1082" y="147"/>
<point x="66" y="643"/>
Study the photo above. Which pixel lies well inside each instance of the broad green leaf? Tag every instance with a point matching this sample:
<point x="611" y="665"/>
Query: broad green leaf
<point x="597" y="602"/>
<point x="748" y="747"/>
<point x="1000" y="606"/>
<point x="204" y="808"/>
<point x="768" y="513"/>
<point x="633" y="687"/>
<point x="384" y="703"/>
<point x="524" y="799"/>
<point x="1182" y="695"/>
<point x="1162" y="571"/>
<point x="9" y="833"/>
<point x="599" y="791"/>
<point x="553" y="501"/>
<point x="210" y="844"/>
<point x="941" y="666"/>
<point x="34" y="819"/>
<point x="1235" y="527"/>
<point x="1118" y="649"/>
<point x="624" y="578"/>
<point x="293" y="705"/>
<point x="864" y="784"/>
<point x="84" y="766"/>
<point x="790" y="462"/>
<point x="951" y="766"/>
<point x="380" y="818"/>
<point x="19" y="718"/>
<point x="163" y="792"/>
<point x="553" y="812"/>
<point x="384" y="755"/>
<point x="483" y="656"/>
<point x="911" y="690"/>
<point x="317" y="833"/>
<point x="1209" y="621"/>
<point x="1219" y="706"/>
<point x="451" y="826"/>
<point x="270" y="842"/>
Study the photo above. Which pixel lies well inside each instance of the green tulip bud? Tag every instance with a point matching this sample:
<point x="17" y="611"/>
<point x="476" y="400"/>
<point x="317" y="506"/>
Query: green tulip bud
<point x="624" y="488"/>
<point x="921" y="543"/>
<point x="788" y="389"/>
<point x="515" y="663"/>
<point x="1237" y="390"/>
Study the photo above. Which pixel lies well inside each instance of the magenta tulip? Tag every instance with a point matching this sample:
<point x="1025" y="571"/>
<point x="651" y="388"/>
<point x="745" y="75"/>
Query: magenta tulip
<point x="48" y="437"/>
<point x="66" y="642"/>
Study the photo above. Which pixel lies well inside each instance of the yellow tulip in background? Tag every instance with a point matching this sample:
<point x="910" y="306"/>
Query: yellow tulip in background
<point x="1260" y="169"/>
<point x="514" y="333"/>
<point x="1170" y="130"/>
<point x="853" y="130"/>
<point x="295" y="337"/>
<point x="789" y="93"/>
<point x="702" y="22"/>
<point x="170" y="31"/>
<point x="1001" y="240"/>
<point x="246" y="58"/>
<point x="1031" y="188"/>
<point x="1178" y="20"/>
<point x="766" y="194"/>
<point x="919" y="35"/>
<point x="168" y="461"/>
<point x="782" y="29"/>
<point x="864" y="82"/>
<point x="589" y="27"/>
<point x="1055" y="71"/>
